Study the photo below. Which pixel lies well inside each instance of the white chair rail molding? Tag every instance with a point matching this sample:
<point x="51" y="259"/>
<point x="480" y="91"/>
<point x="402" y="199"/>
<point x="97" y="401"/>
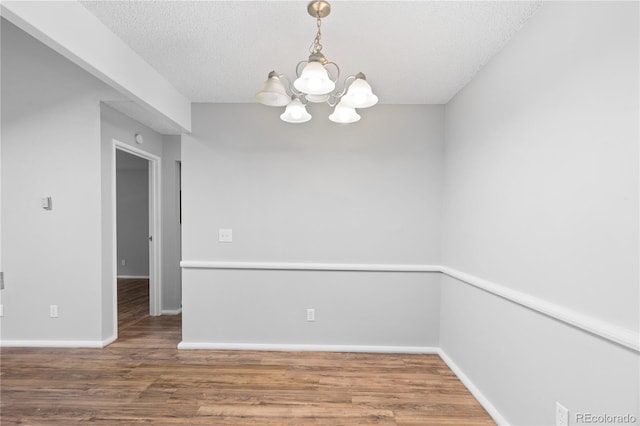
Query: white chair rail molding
<point x="621" y="336"/>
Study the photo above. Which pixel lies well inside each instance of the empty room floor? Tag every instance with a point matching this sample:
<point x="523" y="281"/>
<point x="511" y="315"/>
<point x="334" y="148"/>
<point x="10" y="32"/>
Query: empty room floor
<point x="143" y="379"/>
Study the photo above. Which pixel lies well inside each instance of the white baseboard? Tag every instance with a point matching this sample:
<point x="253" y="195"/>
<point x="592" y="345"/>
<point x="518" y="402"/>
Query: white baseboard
<point x="106" y="342"/>
<point x="172" y="311"/>
<point x="479" y="396"/>
<point x="53" y="343"/>
<point x="309" y="348"/>
<point x="133" y="277"/>
<point x="92" y="344"/>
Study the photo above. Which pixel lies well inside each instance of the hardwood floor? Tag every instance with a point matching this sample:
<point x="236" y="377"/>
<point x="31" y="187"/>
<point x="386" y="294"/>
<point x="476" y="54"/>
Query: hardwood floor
<point x="133" y="301"/>
<point x="143" y="379"/>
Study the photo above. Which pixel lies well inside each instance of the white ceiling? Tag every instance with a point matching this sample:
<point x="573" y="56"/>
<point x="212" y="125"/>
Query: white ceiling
<point x="413" y="52"/>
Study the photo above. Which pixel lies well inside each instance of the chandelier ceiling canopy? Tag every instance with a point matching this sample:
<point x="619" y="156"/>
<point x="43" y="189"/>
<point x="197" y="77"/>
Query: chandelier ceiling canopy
<point x="316" y="82"/>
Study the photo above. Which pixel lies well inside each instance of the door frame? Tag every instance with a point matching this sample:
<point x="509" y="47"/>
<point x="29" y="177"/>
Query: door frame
<point x="155" y="228"/>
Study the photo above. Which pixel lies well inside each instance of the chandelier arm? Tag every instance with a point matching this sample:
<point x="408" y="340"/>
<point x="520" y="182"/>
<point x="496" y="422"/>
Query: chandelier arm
<point x="345" y="87"/>
<point x="295" y="91"/>
<point x="335" y="80"/>
<point x="298" y="73"/>
<point x="336" y="99"/>
<point x="289" y="83"/>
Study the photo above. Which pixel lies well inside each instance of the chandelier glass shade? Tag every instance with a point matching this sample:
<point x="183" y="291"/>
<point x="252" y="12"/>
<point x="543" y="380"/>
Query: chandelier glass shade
<point x="316" y="82"/>
<point x="273" y="92"/>
<point x="360" y="94"/>
<point x="295" y="112"/>
<point x="344" y="114"/>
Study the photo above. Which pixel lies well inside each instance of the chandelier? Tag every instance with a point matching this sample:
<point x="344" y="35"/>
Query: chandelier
<point x="316" y="82"/>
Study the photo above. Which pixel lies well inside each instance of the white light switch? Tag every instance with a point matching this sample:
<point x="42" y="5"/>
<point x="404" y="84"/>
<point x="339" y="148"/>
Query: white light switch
<point x="225" y="235"/>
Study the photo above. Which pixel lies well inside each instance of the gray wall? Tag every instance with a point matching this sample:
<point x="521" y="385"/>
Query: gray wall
<point x="541" y="196"/>
<point x="50" y="147"/>
<point x="132" y="189"/>
<point x="317" y="192"/>
<point x="57" y="141"/>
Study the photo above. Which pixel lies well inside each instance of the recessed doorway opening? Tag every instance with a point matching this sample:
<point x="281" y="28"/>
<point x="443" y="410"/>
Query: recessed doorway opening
<point x="136" y="235"/>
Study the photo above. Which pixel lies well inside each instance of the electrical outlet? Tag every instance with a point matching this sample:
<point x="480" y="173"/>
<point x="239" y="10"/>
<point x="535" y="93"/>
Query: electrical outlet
<point x="311" y="314"/>
<point x="562" y="415"/>
<point x="123" y="262"/>
<point x="225" y="235"/>
<point x="53" y="311"/>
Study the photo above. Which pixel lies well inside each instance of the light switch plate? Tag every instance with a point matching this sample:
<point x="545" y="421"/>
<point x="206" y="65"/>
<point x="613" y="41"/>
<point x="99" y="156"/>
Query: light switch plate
<point x="45" y="203"/>
<point x="225" y="235"/>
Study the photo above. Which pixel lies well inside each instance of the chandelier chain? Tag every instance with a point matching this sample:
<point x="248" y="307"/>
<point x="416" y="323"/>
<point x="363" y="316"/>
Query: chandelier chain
<point x="316" y="46"/>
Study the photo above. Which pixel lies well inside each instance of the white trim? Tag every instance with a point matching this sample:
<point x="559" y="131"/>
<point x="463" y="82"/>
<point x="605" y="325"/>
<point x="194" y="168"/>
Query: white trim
<point x="479" y="396"/>
<point x="172" y="311"/>
<point x="133" y="277"/>
<point x="54" y="343"/>
<point x="106" y="342"/>
<point x="155" y="229"/>
<point x="155" y="225"/>
<point x="606" y="330"/>
<point x="114" y="243"/>
<point x="284" y="266"/>
<point x="309" y="348"/>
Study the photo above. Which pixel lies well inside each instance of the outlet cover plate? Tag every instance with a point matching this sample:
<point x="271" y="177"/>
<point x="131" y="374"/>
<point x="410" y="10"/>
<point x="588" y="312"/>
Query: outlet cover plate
<point x="225" y="235"/>
<point x="562" y="415"/>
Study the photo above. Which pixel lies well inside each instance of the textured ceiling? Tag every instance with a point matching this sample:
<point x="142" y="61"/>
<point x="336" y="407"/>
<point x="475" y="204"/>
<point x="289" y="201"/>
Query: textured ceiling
<point x="413" y="52"/>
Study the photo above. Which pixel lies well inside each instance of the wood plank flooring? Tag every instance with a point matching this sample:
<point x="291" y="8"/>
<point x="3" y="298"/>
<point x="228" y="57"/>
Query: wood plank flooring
<point x="144" y="379"/>
<point x="133" y="302"/>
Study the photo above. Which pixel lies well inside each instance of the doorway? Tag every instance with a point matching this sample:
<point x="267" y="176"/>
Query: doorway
<point x="132" y="218"/>
<point x="139" y="173"/>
